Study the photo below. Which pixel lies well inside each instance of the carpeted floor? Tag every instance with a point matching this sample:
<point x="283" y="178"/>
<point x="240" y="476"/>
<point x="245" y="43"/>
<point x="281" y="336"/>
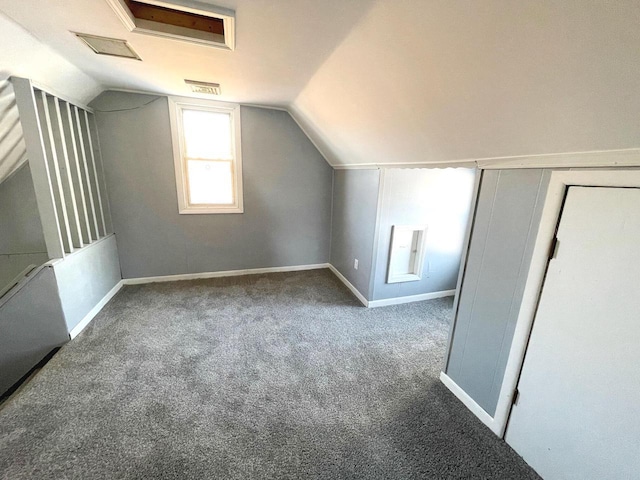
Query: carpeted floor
<point x="257" y="377"/>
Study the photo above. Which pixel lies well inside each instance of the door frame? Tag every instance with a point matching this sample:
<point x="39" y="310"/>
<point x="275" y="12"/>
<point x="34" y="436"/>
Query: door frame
<point x="560" y="181"/>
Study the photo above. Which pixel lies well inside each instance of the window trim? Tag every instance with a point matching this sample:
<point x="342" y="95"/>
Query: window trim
<point x="176" y="105"/>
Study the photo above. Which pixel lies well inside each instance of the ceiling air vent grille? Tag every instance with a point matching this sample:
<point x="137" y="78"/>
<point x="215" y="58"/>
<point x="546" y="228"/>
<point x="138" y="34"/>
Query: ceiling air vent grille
<point x="108" y="46"/>
<point x="185" y="20"/>
<point x="203" y="87"/>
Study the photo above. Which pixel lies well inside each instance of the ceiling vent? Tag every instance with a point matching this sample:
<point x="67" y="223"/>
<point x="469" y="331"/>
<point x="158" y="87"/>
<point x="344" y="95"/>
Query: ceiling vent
<point x="186" y="20"/>
<point x="204" y="87"/>
<point x="113" y="47"/>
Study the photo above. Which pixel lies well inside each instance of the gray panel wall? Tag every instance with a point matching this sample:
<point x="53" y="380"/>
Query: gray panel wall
<point x="355" y="206"/>
<point x="85" y="277"/>
<point x="31" y="325"/>
<point x="438" y="198"/>
<point x="287" y="194"/>
<point x="506" y="223"/>
<point x="21" y="238"/>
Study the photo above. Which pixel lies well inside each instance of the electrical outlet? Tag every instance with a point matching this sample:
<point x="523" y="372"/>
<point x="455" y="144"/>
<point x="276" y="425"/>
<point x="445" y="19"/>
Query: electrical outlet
<point x="355" y="264"/>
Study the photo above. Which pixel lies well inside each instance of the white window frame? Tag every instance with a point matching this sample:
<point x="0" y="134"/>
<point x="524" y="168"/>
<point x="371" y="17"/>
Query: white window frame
<point x="418" y="262"/>
<point x="176" y="106"/>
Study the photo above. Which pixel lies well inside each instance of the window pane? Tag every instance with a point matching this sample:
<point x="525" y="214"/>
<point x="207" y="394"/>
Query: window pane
<point x="210" y="182"/>
<point x="207" y="134"/>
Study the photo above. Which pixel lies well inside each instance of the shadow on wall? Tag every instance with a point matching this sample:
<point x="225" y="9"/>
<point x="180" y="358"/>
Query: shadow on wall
<point x="12" y="147"/>
<point x="21" y="238"/>
<point x="441" y="200"/>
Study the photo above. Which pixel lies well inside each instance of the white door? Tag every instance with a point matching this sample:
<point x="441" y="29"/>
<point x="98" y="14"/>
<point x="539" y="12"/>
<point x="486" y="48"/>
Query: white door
<point x="578" y="411"/>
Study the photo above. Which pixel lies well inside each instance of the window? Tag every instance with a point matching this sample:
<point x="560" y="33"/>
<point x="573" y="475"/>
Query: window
<point x="406" y="259"/>
<point x="206" y="149"/>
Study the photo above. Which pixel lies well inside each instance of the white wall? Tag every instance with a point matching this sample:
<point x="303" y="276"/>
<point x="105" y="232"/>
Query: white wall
<point x="23" y="55"/>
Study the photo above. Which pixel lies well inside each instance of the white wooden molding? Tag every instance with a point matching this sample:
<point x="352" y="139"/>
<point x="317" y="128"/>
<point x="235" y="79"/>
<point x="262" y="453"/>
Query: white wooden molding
<point x="66" y="98"/>
<point x="418" y="262"/>
<point x="411" y="298"/>
<point x="36" y="151"/>
<point x="176" y="107"/>
<point x="558" y="184"/>
<point x="227" y="273"/>
<point x="468" y="402"/>
<point x="226" y="41"/>
<point x="373" y="166"/>
<point x="349" y="285"/>
<point x="590" y="159"/>
<point x="75" y="331"/>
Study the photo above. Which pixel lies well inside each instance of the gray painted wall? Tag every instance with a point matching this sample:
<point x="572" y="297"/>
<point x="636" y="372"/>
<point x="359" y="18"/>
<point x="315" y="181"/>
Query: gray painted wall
<point x="21" y="238"/>
<point x="355" y="206"/>
<point x="31" y="325"/>
<point x="287" y="194"/>
<point x="506" y="223"/>
<point x="438" y="198"/>
<point x="85" y="277"/>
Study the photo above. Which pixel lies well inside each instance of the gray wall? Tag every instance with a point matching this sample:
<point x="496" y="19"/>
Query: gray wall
<point x="505" y="227"/>
<point x="31" y="325"/>
<point x="355" y="206"/>
<point x="438" y="198"/>
<point x="21" y="238"/>
<point x="287" y="194"/>
<point x="85" y="277"/>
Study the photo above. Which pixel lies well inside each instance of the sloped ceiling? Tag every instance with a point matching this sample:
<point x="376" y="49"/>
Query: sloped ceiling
<point x="390" y="82"/>
<point x="24" y="55"/>
<point x="435" y="81"/>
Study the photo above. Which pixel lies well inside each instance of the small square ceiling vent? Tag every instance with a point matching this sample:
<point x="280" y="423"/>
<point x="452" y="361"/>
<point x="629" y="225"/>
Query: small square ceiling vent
<point x="186" y="20"/>
<point x="108" y="46"/>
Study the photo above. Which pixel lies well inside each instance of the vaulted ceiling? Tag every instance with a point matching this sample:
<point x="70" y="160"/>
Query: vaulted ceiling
<point x="376" y="81"/>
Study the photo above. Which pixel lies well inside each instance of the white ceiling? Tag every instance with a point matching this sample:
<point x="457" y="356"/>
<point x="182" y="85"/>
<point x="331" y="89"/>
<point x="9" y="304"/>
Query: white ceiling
<point x="459" y="79"/>
<point x="378" y="81"/>
<point x="279" y="46"/>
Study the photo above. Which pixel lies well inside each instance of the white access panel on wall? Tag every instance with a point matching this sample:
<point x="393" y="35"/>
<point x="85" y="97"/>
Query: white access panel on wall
<point x="406" y="256"/>
<point x="577" y="415"/>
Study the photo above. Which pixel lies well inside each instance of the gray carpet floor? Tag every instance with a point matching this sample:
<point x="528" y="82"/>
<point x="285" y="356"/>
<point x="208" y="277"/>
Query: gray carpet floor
<point x="256" y="377"/>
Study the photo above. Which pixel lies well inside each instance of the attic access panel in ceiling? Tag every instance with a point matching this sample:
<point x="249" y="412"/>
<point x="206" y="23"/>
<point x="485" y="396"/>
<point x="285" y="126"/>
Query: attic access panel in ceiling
<point x="185" y="20"/>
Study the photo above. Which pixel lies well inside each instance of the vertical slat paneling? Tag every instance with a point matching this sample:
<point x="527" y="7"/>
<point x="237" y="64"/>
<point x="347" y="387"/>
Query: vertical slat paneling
<point x="67" y="179"/>
<point x="33" y="131"/>
<point x="94" y="174"/>
<point x="93" y="213"/>
<point x="76" y="172"/>
<point x="506" y="223"/>
<point x="93" y="131"/>
<point x="56" y="177"/>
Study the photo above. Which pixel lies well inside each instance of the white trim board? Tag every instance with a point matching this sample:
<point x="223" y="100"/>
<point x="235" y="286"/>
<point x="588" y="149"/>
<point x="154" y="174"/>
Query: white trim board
<point x="349" y="285"/>
<point x="75" y="331"/>
<point x="476" y="409"/>
<point x="227" y="273"/>
<point x="558" y="184"/>
<point x="411" y="298"/>
<point x="629" y="157"/>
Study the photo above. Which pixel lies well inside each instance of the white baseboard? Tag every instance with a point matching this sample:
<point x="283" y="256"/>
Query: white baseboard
<point x="348" y="284"/>
<point x="227" y="273"/>
<point x="75" y="331"/>
<point x="470" y="403"/>
<point x="411" y="298"/>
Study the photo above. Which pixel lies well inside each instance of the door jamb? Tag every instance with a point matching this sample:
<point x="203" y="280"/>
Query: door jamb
<point x="559" y="183"/>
